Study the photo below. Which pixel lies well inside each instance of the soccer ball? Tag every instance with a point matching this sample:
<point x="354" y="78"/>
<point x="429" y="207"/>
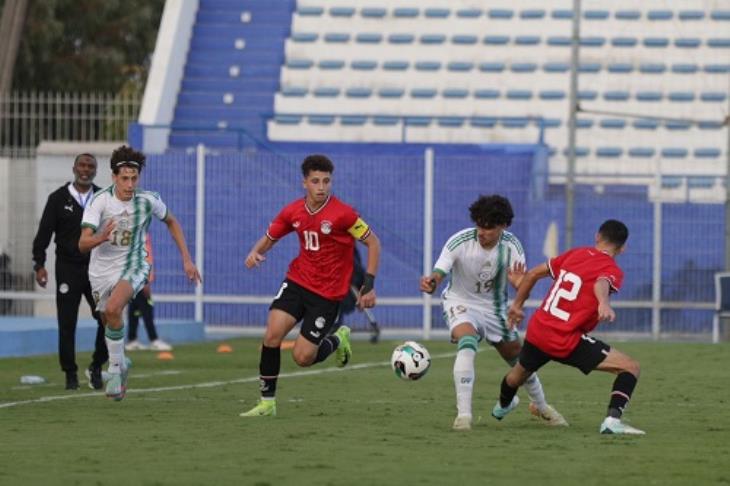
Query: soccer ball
<point x="410" y="361"/>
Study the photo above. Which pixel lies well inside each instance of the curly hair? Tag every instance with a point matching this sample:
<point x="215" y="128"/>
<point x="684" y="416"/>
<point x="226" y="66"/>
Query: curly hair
<point x="127" y="157"/>
<point x="317" y="162"/>
<point x="490" y="211"/>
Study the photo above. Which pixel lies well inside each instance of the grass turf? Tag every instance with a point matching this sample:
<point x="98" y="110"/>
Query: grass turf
<point x="362" y="425"/>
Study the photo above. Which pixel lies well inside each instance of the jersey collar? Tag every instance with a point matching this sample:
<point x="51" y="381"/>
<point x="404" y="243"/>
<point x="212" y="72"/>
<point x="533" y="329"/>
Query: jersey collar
<point x="312" y="213"/>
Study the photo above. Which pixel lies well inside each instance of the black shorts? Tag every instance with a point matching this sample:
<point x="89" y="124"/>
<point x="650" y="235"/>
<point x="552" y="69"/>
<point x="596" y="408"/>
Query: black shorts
<point x="589" y="353"/>
<point x="317" y="314"/>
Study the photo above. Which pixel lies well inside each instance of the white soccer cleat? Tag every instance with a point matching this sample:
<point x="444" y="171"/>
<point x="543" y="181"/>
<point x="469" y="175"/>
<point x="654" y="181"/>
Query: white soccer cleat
<point x="613" y="425"/>
<point x="462" y="422"/>
<point x="549" y="415"/>
<point x="134" y="346"/>
<point x="160" y="345"/>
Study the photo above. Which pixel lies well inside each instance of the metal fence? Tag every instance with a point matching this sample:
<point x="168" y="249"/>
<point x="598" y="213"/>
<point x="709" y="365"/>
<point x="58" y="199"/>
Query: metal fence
<point x="27" y="118"/>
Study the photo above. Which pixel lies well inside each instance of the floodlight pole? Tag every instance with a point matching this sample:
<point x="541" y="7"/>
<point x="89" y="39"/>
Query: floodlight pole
<point x="727" y="191"/>
<point x="570" y="176"/>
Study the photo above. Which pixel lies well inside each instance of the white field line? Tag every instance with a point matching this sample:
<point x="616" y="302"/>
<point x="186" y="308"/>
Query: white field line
<point x="212" y="384"/>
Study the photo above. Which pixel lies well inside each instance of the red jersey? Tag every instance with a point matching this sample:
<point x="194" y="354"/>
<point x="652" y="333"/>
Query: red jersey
<point x="571" y="307"/>
<point x="326" y="245"/>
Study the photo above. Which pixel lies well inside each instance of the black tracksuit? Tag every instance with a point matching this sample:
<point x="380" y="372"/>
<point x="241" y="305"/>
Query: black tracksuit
<point x="62" y="216"/>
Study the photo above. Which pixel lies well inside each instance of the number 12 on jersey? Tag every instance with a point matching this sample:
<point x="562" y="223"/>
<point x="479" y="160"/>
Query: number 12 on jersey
<point x="557" y="293"/>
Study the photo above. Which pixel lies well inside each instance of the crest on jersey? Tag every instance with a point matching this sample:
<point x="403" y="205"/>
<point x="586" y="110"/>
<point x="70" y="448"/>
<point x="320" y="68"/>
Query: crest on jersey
<point x="124" y="221"/>
<point x="326" y="227"/>
<point x="295" y="224"/>
<point x="320" y="322"/>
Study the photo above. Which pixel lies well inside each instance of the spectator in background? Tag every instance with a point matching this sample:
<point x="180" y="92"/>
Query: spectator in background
<point x="62" y="216"/>
<point x="142" y="305"/>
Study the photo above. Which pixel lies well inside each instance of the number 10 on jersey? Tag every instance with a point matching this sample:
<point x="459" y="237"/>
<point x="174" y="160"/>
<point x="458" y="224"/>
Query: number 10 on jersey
<point x="311" y="240"/>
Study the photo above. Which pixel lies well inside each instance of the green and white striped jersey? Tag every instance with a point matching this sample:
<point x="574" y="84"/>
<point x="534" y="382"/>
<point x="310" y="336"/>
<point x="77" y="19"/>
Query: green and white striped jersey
<point x="125" y="249"/>
<point x="478" y="276"/>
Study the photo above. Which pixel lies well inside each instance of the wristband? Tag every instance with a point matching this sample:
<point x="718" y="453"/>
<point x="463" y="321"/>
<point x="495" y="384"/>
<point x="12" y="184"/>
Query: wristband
<point x="368" y="283"/>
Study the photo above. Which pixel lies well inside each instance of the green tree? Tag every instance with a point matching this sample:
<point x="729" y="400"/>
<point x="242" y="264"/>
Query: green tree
<point x="87" y="45"/>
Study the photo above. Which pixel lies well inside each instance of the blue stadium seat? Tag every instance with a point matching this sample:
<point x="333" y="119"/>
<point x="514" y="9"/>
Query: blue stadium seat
<point x="592" y="41"/>
<point x="691" y="14"/>
<point x="326" y="92"/>
<point x="385" y="120"/>
<point x="437" y="13"/>
<point x="483" y="122"/>
<point x="527" y="40"/>
<point x="660" y="15"/>
<point x="649" y="96"/>
<point x="552" y="94"/>
<point x="396" y="65"/>
<point x="671" y="182"/>
<point x="299" y="63"/>
<point x="391" y="92"/>
<point x="320" y="119"/>
<point x="342" y="11"/>
<point x="652" y="68"/>
<point x="492" y="67"/>
<point x="677" y="125"/>
<point x="549" y="122"/>
<point x="487" y="93"/>
<point x="579" y="151"/>
<point x="589" y="67"/>
<point x="353" y="120"/>
<point x="720" y="15"/>
<point x="559" y="40"/>
<point x="532" y="13"/>
<point x="646" y="124"/>
<point x="556" y="67"/>
<point x="358" y="92"/>
<point x="423" y="93"/>
<point x="609" y="152"/>
<point x="469" y="13"/>
<point x="455" y="93"/>
<point x="373" y="12"/>
<point x="368" y="38"/>
<point x="707" y="153"/>
<point x="562" y="14"/>
<point x="294" y="91"/>
<point x="687" y="42"/>
<point x="460" y="66"/>
<point x="700" y="182"/>
<point x="719" y="42"/>
<point x="451" y="121"/>
<point x="500" y="13"/>
<point x="519" y="94"/>
<point x="418" y="121"/>
<point x="310" y="11"/>
<point x="336" y="37"/>
<point x="464" y="39"/>
<point x="627" y="14"/>
<point x="681" y="96"/>
<point x="624" y="41"/>
<point x="364" y="65"/>
<point x="613" y="123"/>
<point x="432" y="39"/>
<point x="288" y="119"/>
<point x="304" y="36"/>
<point x="717" y="68"/>
<point x="713" y="96"/>
<point x="583" y="123"/>
<point x="656" y="42"/>
<point x="674" y="152"/>
<point x="405" y="12"/>
<point x="587" y="94"/>
<point x="685" y="68"/>
<point x="496" y="39"/>
<point x="401" y="38"/>
<point x="428" y="66"/>
<point x="595" y="14"/>
<point x="620" y="67"/>
<point x="641" y="152"/>
<point x="514" y="122"/>
<point x="331" y="64"/>
<point x="523" y="67"/>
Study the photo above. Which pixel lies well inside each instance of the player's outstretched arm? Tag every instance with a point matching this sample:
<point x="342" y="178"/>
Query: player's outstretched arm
<point x="602" y="290"/>
<point x="515" y="314"/>
<point x="173" y="226"/>
<point x="367" y="291"/>
<point x="90" y="240"/>
<point x="256" y="255"/>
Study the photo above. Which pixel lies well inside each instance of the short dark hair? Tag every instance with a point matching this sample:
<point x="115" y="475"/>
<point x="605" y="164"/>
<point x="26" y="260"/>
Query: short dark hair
<point x="491" y="211"/>
<point x="614" y="231"/>
<point x="127" y="157"/>
<point x="85" y="154"/>
<point x="317" y="162"/>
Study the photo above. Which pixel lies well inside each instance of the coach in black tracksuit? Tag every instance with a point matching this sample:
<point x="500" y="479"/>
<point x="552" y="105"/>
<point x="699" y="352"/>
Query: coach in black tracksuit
<point x="62" y="216"/>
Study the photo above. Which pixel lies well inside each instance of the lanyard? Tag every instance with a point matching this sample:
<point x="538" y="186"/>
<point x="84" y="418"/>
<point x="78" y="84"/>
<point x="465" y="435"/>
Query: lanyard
<point x="83" y="200"/>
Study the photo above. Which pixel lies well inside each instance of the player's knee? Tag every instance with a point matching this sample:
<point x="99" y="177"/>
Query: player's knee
<point x="302" y="359"/>
<point x="633" y="367"/>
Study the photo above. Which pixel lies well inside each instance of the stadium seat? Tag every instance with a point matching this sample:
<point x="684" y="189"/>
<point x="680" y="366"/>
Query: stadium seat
<point x="649" y="96"/>
<point x="532" y="14"/>
<point x="469" y="13"/>
<point x="691" y="15"/>
<point x="660" y="15"/>
<point x="464" y="39"/>
<point x="432" y="39"/>
<point x="405" y="12"/>
<point x="326" y="92"/>
<point x="500" y="13"/>
<point x="341" y="11"/>
<point x="720" y="15"/>
<point x="707" y="153"/>
<point x="641" y="152"/>
<point x="336" y="37"/>
<point x="455" y="93"/>
<point x="373" y="12"/>
<point x="310" y="11"/>
<point x="627" y="15"/>
<point x="400" y="38"/>
<point x="437" y="13"/>
<point x="674" y="152"/>
<point x="687" y="42"/>
<point x="713" y="96"/>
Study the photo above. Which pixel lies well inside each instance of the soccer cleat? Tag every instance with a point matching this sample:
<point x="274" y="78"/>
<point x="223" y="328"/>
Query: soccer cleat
<point x="93" y="373"/>
<point x="265" y="408"/>
<point x="343" y="354"/>
<point x="549" y="415"/>
<point x="612" y="425"/>
<point x="499" y="413"/>
<point x="134" y="345"/>
<point x="160" y="345"/>
<point x="72" y="381"/>
<point x="462" y="422"/>
<point x="116" y="387"/>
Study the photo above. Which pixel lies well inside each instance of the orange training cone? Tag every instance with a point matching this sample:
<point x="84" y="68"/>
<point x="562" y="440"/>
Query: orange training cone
<point x="165" y="356"/>
<point x="224" y="348"/>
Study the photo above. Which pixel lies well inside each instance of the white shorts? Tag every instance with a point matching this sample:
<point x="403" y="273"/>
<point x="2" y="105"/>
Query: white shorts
<point x="102" y="286"/>
<point x="488" y="326"/>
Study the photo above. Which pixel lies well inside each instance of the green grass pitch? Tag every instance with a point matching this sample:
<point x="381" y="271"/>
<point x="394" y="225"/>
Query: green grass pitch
<point x="179" y="423"/>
